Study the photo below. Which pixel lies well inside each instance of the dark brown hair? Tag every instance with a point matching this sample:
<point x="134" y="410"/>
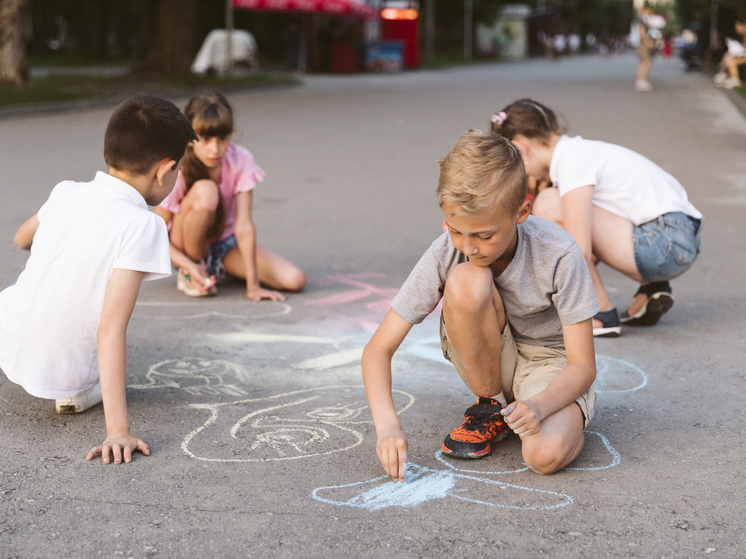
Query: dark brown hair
<point x="211" y="115"/>
<point x="144" y="130"/>
<point x="481" y="172"/>
<point x="528" y="118"/>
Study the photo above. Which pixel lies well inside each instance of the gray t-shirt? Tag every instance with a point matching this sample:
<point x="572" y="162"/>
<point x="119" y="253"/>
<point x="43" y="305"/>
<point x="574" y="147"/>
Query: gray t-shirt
<point x="546" y="285"/>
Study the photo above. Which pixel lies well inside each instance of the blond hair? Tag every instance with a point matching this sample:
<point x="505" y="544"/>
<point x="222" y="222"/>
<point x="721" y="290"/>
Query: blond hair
<point x="483" y="171"/>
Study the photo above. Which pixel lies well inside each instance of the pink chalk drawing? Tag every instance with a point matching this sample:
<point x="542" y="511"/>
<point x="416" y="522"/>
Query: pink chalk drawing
<point x="369" y="323"/>
<point x="364" y="290"/>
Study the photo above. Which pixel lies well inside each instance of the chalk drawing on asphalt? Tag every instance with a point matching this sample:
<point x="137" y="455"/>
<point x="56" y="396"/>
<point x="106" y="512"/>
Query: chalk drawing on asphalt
<point x="597" y="454"/>
<point x="363" y="290"/>
<point x="424" y="484"/>
<point x="247" y="310"/>
<point x="618" y="376"/>
<point x="197" y="376"/>
<point x="290" y="426"/>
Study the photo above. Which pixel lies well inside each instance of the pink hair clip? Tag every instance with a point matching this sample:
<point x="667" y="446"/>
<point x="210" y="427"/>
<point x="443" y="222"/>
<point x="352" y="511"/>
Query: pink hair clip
<point x="499" y="118"/>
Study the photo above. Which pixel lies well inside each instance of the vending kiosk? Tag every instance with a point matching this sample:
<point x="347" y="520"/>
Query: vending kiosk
<point x="400" y="21"/>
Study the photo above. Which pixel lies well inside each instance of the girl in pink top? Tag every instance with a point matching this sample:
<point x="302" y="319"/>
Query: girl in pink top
<point x="209" y="212"/>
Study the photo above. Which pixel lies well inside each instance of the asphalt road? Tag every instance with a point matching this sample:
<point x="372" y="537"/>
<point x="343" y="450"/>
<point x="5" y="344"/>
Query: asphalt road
<point x="262" y="442"/>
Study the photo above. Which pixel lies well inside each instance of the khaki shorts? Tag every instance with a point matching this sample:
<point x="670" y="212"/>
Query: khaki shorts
<point x="525" y="370"/>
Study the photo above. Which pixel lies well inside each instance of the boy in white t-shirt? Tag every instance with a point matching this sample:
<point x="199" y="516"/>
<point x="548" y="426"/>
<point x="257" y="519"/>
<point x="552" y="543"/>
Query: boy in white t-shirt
<point x="63" y="323"/>
<point x="516" y="321"/>
<point x="621" y="208"/>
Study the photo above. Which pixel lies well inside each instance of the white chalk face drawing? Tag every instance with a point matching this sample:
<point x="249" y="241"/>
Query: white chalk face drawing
<point x="289" y="426"/>
<point x="197" y="376"/>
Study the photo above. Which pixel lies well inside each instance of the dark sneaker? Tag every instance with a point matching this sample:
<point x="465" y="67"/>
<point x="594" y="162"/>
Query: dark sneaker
<point x="659" y="302"/>
<point x="610" y="325"/>
<point x="474" y="437"/>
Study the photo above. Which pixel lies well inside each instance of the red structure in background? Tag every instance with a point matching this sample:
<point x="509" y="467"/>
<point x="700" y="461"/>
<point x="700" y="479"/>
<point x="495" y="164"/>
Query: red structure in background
<point x="399" y="24"/>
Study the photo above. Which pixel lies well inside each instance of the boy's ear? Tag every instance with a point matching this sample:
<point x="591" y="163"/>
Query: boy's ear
<point x="524" y="210"/>
<point x="162" y="168"/>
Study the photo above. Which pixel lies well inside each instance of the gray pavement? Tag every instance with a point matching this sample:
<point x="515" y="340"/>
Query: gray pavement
<point x="262" y="442"/>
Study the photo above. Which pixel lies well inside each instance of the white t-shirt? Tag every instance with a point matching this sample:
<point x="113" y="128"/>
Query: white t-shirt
<point x="624" y="182"/>
<point x="50" y="317"/>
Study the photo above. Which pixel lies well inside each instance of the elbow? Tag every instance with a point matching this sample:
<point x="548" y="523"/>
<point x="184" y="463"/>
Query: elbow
<point x="21" y="241"/>
<point x="244" y="231"/>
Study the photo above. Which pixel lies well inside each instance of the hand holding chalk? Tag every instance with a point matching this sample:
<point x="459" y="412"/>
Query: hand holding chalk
<point x="392" y="452"/>
<point x="522" y="418"/>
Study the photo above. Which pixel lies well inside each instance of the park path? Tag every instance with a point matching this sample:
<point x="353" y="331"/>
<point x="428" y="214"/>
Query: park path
<point x="263" y="445"/>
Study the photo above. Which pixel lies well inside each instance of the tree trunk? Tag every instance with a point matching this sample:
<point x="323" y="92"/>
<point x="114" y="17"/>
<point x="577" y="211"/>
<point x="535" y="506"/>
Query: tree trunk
<point x="12" y="44"/>
<point x="172" y="48"/>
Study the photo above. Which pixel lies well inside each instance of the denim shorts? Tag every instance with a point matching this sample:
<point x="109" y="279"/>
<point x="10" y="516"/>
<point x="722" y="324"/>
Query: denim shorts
<point x="667" y="246"/>
<point x="216" y="254"/>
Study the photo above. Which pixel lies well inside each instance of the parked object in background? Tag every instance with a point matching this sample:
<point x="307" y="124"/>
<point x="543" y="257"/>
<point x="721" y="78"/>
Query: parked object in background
<point x="384" y="56"/>
<point x="508" y="36"/>
<point x="212" y="55"/>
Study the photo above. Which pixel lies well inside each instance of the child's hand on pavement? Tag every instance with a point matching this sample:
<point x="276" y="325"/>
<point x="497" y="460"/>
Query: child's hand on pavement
<point x="392" y="452"/>
<point x="259" y="293"/>
<point x="522" y="418"/>
<point x="120" y="445"/>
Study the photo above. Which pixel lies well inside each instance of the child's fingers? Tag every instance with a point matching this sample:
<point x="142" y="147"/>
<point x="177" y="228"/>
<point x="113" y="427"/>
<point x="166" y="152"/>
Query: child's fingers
<point x="117" y="452"/>
<point x="93" y="452"/>
<point x="127" y="454"/>
<point x="402" y="457"/>
<point x="105" y="453"/>
<point x="394" y="463"/>
<point x="143" y="447"/>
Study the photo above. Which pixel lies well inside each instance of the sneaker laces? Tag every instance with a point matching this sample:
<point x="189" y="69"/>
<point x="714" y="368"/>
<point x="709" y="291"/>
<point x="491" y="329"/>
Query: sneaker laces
<point x="481" y="415"/>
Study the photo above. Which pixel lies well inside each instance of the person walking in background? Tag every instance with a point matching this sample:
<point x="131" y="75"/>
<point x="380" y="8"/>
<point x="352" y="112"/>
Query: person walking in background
<point x="645" y="50"/>
<point x="622" y="209"/>
<point x="209" y="212"/>
<point x="734" y="57"/>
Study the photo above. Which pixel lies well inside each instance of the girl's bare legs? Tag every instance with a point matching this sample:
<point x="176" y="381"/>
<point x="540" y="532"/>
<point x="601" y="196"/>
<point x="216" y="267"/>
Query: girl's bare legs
<point x="195" y="218"/>
<point x="643" y="69"/>
<point x="274" y="271"/>
<point x="611" y="241"/>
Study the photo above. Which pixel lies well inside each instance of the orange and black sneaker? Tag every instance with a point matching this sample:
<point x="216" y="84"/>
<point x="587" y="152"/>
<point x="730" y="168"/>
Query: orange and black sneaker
<point x="474" y="437"/>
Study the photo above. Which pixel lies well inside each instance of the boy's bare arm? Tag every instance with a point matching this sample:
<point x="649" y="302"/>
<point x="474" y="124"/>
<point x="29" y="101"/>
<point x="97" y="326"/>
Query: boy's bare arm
<point x="391" y="445"/>
<point x="119" y="303"/>
<point x="25" y="234"/>
<point x="525" y="417"/>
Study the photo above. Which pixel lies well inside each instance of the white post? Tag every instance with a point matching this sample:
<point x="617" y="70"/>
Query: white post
<point x="468" y="28"/>
<point x="229" y="37"/>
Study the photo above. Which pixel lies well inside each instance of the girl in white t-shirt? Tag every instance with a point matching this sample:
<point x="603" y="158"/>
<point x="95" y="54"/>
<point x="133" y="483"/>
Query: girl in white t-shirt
<point x="622" y="209"/>
<point x="208" y="213"/>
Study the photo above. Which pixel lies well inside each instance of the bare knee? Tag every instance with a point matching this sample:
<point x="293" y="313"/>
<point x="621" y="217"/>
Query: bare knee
<point x="543" y="458"/>
<point x="296" y="281"/>
<point x="545" y="455"/>
<point x="204" y="196"/>
<point x="547" y="205"/>
<point x="469" y="287"/>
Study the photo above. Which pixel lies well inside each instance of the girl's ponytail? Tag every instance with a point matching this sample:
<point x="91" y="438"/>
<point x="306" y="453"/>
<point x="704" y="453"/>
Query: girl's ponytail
<point x="528" y="118"/>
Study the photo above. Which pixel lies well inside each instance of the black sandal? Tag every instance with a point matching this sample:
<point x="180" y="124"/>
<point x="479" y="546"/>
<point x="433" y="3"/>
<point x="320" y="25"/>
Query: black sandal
<point x="659" y="302"/>
<point x="610" y="326"/>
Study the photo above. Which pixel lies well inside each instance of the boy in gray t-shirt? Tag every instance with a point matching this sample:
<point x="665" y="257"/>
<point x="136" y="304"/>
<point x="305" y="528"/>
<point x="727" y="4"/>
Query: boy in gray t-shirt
<point x="516" y="321"/>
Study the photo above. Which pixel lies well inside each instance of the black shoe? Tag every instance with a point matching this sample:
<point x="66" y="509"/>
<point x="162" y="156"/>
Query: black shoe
<point x="659" y="302"/>
<point x="610" y="326"/>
